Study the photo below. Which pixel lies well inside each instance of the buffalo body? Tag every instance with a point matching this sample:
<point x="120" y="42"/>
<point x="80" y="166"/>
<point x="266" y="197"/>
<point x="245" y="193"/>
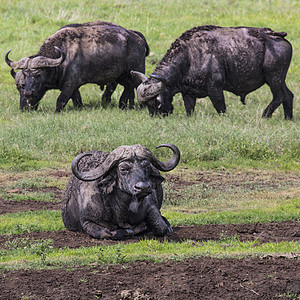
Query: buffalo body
<point x="206" y="60"/>
<point x="97" y="52"/>
<point x="118" y="194"/>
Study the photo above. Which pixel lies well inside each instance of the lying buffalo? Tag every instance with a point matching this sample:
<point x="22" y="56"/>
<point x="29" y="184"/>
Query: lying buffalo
<point x="95" y="52"/>
<point x="206" y="60"/>
<point x="118" y="194"/>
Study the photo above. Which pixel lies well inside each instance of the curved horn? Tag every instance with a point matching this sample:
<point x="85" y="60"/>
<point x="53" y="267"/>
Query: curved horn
<point x="21" y="64"/>
<point x="170" y="164"/>
<point x="158" y="77"/>
<point x="92" y="174"/>
<point x="147" y="91"/>
<point x="46" y="62"/>
<point x="110" y="161"/>
<point x="7" y="60"/>
<point x="141" y="76"/>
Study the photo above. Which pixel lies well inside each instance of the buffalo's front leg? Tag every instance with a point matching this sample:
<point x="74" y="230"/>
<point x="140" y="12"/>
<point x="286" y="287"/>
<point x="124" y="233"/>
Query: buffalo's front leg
<point x="106" y="97"/>
<point x="64" y="97"/>
<point x="157" y="223"/>
<point x="189" y="103"/>
<point x="216" y="96"/>
<point x="100" y="232"/>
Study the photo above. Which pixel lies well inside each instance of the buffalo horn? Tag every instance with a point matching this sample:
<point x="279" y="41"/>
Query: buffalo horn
<point x="85" y="176"/>
<point x="121" y="153"/>
<point x="46" y="62"/>
<point x="7" y="60"/>
<point x="21" y="64"/>
<point x="158" y="77"/>
<point x="170" y="164"/>
<point x="141" y="76"/>
<point x="146" y="92"/>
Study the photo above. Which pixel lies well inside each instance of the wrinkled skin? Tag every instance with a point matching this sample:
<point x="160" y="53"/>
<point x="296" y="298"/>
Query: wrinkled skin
<point x="207" y="60"/>
<point x="123" y="202"/>
<point x="117" y="52"/>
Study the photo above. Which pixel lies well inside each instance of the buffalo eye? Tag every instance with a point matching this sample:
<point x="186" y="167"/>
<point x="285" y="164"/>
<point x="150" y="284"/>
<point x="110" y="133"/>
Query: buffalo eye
<point x="125" y="168"/>
<point x="145" y="163"/>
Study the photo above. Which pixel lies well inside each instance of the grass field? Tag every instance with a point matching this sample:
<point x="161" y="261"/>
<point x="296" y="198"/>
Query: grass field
<point x="239" y="143"/>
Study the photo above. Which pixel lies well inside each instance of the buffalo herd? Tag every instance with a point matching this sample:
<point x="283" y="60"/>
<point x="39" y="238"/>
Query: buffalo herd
<point x="203" y="62"/>
<point x="119" y="194"/>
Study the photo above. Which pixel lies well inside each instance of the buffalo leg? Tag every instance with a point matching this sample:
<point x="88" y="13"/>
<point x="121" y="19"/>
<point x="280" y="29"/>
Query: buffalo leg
<point x="216" y="96"/>
<point x="288" y="105"/>
<point x="106" y="97"/>
<point x="128" y="93"/>
<point x="101" y="232"/>
<point x="63" y="99"/>
<point x="76" y="98"/>
<point x="281" y="95"/>
<point x="127" y="96"/>
<point x="189" y="103"/>
<point x="156" y="222"/>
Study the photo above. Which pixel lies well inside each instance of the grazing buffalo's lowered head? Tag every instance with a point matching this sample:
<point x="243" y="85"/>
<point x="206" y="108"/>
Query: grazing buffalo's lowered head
<point x="31" y="80"/>
<point x="119" y="194"/>
<point x="154" y="93"/>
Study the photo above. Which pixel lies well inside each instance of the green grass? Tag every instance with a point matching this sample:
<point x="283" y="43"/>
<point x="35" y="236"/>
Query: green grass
<point x="35" y="221"/>
<point x="40" y="254"/>
<point x="34" y="144"/>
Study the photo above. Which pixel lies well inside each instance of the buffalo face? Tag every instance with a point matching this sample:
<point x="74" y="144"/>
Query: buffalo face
<point x="134" y="177"/>
<point x="33" y="89"/>
<point x="20" y="84"/>
<point x="154" y="93"/>
<point x="31" y="81"/>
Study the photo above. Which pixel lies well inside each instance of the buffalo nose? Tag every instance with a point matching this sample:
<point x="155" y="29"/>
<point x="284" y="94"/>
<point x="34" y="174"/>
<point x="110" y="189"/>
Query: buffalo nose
<point x="29" y="93"/>
<point x="143" y="187"/>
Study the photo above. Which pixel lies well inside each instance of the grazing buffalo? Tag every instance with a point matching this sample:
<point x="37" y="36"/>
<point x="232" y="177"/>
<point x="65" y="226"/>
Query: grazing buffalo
<point x="206" y="60"/>
<point x="119" y="194"/>
<point x="95" y="52"/>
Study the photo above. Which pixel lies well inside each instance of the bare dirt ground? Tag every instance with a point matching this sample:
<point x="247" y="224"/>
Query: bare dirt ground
<point x="269" y="277"/>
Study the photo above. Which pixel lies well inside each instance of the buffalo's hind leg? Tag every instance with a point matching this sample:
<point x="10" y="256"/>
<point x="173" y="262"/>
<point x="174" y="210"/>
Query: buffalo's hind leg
<point x="76" y="98"/>
<point x="288" y="105"/>
<point x="276" y="64"/>
<point x="127" y="96"/>
<point x="128" y="93"/>
<point x="281" y="95"/>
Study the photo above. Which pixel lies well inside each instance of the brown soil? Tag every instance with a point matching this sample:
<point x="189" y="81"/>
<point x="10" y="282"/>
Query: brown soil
<point x="269" y="277"/>
<point x="202" y="278"/>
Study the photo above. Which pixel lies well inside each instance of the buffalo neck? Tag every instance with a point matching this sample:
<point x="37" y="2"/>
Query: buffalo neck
<point x="173" y="71"/>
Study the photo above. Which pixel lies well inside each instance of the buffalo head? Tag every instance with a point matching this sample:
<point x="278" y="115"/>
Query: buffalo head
<point x="132" y="166"/>
<point x="31" y="80"/>
<point x="154" y="93"/>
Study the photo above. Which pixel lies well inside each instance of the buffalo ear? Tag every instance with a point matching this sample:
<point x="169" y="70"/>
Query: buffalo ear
<point x="156" y="177"/>
<point x="106" y="185"/>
